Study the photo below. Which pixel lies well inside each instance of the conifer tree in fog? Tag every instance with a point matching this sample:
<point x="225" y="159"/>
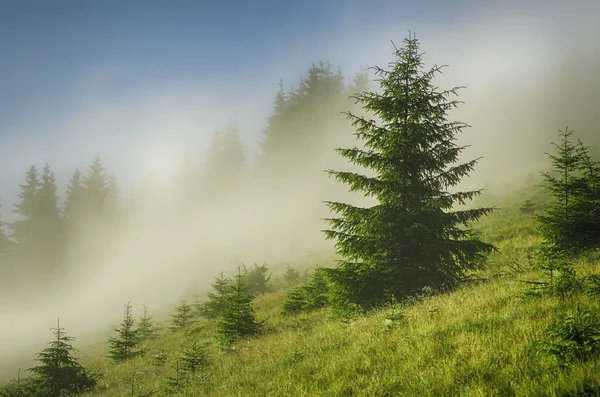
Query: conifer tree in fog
<point x="182" y="317"/>
<point x="572" y="221"/>
<point x="256" y="279"/>
<point x="5" y="250"/>
<point x="123" y="346"/>
<point x="75" y="200"/>
<point x="414" y="236"/>
<point x="27" y="208"/>
<point x="50" y="220"/>
<point x="233" y="153"/>
<point x="147" y="327"/>
<point x="59" y="372"/>
<point x="302" y="121"/>
<point x="237" y="319"/>
<point x="96" y="185"/>
<point x="111" y="199"/>
<point x="224" y="164"/>
<point x="38" y="232"/>
<point x="213" y="307"/>
<point x="4" y="241"/>
<point x="274" y="136"/>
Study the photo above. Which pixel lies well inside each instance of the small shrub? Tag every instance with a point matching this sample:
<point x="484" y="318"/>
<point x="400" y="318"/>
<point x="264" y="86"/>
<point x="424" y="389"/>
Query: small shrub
<point x="574" y="338"/>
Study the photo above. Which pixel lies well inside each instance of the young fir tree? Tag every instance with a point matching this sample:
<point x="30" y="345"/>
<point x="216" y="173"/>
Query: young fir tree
<point x="414" y="236"/>
<point x="194" y="358"/>
<point x="291" y="276"/>
<point x="313" y="294"/>
<point x="182" y="317"/>
<point x="59" y="371"/>
<point x="123" y="346"/>
<point x="215" y="304"/>
<point x="590" y="193"/>
<point x="572" y="221"/>
<point x="256" y="279"/>
<point x="18" y="387"/>
<point x="237" y="319"/>
<point x="146" y="328"/>
<point x="191" y="363"/>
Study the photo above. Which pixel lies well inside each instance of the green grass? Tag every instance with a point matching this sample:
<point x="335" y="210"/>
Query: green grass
<point x="475" y="341"/>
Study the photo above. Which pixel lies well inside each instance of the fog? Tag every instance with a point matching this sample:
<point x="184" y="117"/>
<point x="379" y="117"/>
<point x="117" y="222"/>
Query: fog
<point x="528" y="71"/>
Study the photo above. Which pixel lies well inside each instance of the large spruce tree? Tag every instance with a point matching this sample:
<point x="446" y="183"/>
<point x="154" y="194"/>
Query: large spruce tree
<point x="415" y="235"/>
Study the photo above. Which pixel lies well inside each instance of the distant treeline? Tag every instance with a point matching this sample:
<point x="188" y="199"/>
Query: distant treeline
<point x="305" y="126"/>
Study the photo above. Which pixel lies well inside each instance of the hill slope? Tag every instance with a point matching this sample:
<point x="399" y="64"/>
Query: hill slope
<point x="475" y="341"/>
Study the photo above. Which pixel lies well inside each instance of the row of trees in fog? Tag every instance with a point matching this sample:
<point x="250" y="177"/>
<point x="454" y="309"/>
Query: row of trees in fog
<point x="49" y="230"/>
<point x="40" y="236"/>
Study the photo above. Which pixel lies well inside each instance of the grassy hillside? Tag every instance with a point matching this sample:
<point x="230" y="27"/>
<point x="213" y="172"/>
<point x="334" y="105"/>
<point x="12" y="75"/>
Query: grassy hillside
<point x="475" y="341"/>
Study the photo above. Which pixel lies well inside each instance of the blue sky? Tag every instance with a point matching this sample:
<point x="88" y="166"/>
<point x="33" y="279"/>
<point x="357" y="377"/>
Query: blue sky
<point x="60" y="56"/>
<point x="139" y="81"/>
